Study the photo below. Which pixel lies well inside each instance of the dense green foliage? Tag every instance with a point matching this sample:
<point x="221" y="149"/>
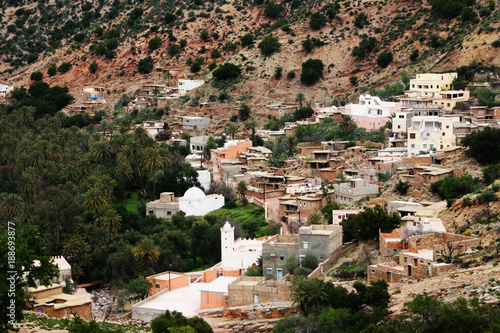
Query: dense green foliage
<point x="227" y="71"/>
<point x="312" y="71"/>
<point x="145" y="65"/>
<point x="455" y="187"/>
<point x="484" y="146"/>
<point x="269" y="45"/>
<point x="366" y="225"/>
<point x="176" y="322"/>
<point x="491" y="173"/>
<point x="384" y="59"/>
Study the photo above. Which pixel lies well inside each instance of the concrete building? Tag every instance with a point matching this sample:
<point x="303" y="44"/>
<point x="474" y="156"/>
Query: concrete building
<point x="196" y="203"/>
<point x="449" y="99"/>
<point x="321" y="241"/>
<point x="164" y="207"/>
<point x="212" y="294"/>
<point x="197" y="144"/>
<point x="152" y="127"/>
<point x="194" y="123"/>
<point x="167" y="281"/>
<point x="184" y="86"/>
<point x="430" y="84"/>
<point x="204" y="178"/>
<point x="340" y="214"/>
<point x="430" y="134"/>
<point x="351" y="192"/>
<point x="371" y="112"/>
<point x="5" y="91"/>
<point x="54" y="303"/>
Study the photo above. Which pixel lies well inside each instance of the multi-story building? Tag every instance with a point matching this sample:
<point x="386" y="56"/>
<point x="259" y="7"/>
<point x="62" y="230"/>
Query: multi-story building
<point x="371" y="112"/>
<point x="430" y="134"/>
<point x="351" y="192"/>
<point x="322" y="241"/>
<point x="430" y="84"/>
<point x="194" y="123"/>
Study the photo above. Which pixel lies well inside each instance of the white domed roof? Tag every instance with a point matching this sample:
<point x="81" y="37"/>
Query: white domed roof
<point x="194" y="193"/>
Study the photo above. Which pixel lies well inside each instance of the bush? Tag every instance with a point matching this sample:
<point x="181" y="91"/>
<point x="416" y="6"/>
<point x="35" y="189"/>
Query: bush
<point x="414" y="55"/>
<point x="145" y="66"/>
<point x="227" y="71"/>
<point x="246" y="39"/>
<point x="269" y="45"/>
<point x="402" y="187"/>
<point x="215" y="53"/>
<point x="195" y="67"/>
<point x="290" y="75"/>
<point x="154" y="43"/>
<point x="312" y="71"/>
<point x="491" y="173"/>
<point x="273" y="10"/>
<point x="244" y="112"/>
<point x="361" y="20"/>
<point x="52" y="70"/>
<point x="93" y="67"/>
<point x="310" y="261"/>
<point x="455" y="187"/>
<point x="212" y="65"/>
<point x="484" y="146"/>
<point x="169" y="18"/>
<point x="383" y="176"/>
<point x="353" y="80"/>
<point x="496" y="43"/>
<point x="365" y="46"/>
<point x="32" y="58"/>
<point x="36" y="76"/>
<point x="278" y="72"/>
<point x="384" y="59"/>
<point x="316" y="21"/>
<point x="302" y="113"/>
<point x="174" y="49"/>
<point x="64" y="67"/>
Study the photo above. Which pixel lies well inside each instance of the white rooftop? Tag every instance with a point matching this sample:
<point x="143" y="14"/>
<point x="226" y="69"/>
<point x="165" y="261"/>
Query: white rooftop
<point x="219" y="285"/>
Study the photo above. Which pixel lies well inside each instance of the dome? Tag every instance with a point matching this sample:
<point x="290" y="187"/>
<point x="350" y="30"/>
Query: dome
<point x="194" y="193"/>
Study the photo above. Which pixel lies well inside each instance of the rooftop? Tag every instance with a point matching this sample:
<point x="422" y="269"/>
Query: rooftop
<point x="219" y="285"/>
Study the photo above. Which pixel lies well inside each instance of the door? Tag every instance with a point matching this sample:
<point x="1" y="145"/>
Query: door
<point x="256" y="298"/>
<point x="280" y="273"/>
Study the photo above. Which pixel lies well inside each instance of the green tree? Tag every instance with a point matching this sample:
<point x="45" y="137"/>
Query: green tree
<point x="484" y="146"/>
<point x="232" y="130"/>
<point x="25" y="244"/>
<point x="366" y="225"/>
<point x="156" y="159"/>
<point x="384" y="59"/>
<point x="52" y="70"/>
<point x="241" y="191"/>
<point x="64" y="67"/>
<point x="328" y="209"/>
<point x="269" y="45"/>
<point x="244" y="112"/>
<point x="300" y="98"/>
<point x="317" y="21"/>
<point x="36" y="76"/>
<point x="347" y="125"/>
<point x="145" y="65"/>
<point x="110" y="220"/>
<point x="312" y="71"/>
<point x="455" y="187"/>
<point x="361" y="20"/>
<point x="252" y="124"/>
<point x="309" y="261"/>
<point x="402" y="187"/>
<point x="491" y="173"/>
<point x="414" y="55"/>
<point x="139" y="287"/>
<point x="309" y="294"/>
<point x="146" y="251"/>
<point x="353" y="80"/>
<point x="273" y="10"/>
<point x="246" y="40"/>
<point x="93" y="67"/>
<point x="154" y="43"/>
<point x="227" y="71"/>
<point x="173" y="49"/>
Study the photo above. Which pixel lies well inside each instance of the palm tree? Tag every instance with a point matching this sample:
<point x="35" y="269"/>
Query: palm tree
<point x="241" y="191"/>
<point x="140" y="134"/>
<point x="309" y="294"/>
<point x="146" y="251"/>
<point x="101" y="151"/>
<point x="167" y="76"/>
<point x="347" y="125"/>
<point x="232" y="130"/>
<point x="156" y="158"/>
<point x="95" y="201"/>
<point x="11" y="205"/>
<point x="291" y="141"/>
<point x="123" y="172"/>
<point x="26" y="187"/>
<point x="252" y="124"/>
<point x="110" y="221"/>
<point x="300" y="98"/>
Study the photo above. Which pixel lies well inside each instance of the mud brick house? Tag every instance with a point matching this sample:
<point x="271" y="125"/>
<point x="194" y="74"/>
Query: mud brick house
<point x="325" y="159"/>
<point x="420" y="258"/>
<point x="247" y="290"/>
<point x="53" y="302"/>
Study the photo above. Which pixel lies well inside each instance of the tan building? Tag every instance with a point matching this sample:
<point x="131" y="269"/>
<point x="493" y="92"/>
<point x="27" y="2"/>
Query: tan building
<point x="164" y="207"/>
<point x="430" y="84"/>
<point x="430" y="134"/>
<point x="351" y="192"/>
<point x="54" y="303"/>
<point x="248" y="290"/>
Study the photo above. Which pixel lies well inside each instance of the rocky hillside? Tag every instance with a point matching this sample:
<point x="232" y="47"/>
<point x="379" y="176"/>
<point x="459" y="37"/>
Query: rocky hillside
<point x="348" y="37"/>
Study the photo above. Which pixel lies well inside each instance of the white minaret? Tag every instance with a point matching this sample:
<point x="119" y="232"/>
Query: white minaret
<point x="227" y="241"/>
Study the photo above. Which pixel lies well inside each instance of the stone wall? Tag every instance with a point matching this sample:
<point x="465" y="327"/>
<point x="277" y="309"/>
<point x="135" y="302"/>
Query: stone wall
<point x="243" y="291"/>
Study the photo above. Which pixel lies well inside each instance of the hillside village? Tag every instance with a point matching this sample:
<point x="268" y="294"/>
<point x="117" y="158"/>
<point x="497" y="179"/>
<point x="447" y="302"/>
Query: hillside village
<point x="421" y="146"/>
<point x="249" y="166"/>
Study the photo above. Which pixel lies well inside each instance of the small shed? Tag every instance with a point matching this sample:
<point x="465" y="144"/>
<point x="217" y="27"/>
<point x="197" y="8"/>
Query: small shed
<point x="212" y="295"/>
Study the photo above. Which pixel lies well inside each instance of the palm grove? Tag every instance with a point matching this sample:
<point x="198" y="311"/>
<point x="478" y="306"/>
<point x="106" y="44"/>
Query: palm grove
<point x="67" y="181"/>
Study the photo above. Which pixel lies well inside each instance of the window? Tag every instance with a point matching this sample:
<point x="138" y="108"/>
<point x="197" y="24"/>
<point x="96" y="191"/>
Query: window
<point x="447" y="126"/>
<point x="157" y="286"/>
<point x="282" y="258"/>
<point x="401" y="116"/>
<point x="151" y="212"/>
<point x="269" y="271"/>
<point x="444" y="133"/>
<point x="413" y="145"/>
<point x="305" y="245"/>
<point x="412" y="135"/>
<point x="425" y="145"/>
<point x="399" y="126"/>
<point x="406" y="259"/>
